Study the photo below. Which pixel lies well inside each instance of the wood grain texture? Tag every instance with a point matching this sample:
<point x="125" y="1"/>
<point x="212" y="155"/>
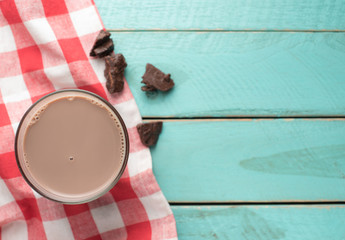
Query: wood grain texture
<point x="251" y="161"/>
<point x="239" y="74"/>
<point x="260" y="222"/>
<point x="223" y="14"/>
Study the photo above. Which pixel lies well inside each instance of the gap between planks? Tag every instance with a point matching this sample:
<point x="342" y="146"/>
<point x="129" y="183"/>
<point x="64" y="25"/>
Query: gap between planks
<point x="229" y="31"/>
<point x="246" y="118"/>
<point x="280" y="203"/>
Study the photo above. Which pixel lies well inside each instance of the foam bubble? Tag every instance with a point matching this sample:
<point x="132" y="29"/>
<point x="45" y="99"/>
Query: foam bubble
<point x="37" y="115"/>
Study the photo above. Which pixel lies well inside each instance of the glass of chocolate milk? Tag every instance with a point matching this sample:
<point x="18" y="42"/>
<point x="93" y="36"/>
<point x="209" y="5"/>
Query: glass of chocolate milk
<point x="72" y="146"/>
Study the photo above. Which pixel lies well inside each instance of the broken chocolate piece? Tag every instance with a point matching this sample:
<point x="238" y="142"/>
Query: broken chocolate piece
<point x="115" y="65"/>
<point x="149" y="132"/>
<point x="104" y="50"/>
<point x="102" y="37"/>
<point x="155" y="79"/>
<point x="103" y="45"/>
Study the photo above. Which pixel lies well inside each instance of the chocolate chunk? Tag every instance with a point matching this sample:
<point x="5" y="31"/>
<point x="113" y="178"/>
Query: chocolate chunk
<point x="103" y="50"/>
<point x="149" y="132"/>
<point x="103" y="45"/>
<point x="155" y="79"/>
<point x="115" y="65"/>
<point x="102" y="37"/>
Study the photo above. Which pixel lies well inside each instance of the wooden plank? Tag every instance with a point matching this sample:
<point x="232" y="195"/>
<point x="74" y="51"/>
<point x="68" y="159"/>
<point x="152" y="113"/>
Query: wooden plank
<point x="223" y="14"/>
<point x="251" y="160"/>
<point x="239" y="74"/>
<point x="260" y="222"/>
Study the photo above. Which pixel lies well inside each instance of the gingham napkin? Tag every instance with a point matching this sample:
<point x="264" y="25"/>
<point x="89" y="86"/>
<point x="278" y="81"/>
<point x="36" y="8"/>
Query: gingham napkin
<point x="44" y="46"/>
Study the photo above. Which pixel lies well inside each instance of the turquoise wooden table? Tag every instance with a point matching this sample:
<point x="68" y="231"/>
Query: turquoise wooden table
<point x="253" y="143"/>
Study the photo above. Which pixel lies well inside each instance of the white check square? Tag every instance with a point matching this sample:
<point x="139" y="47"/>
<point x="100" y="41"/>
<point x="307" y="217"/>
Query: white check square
<point x="14" y="230"/>
<point x="139" y="162"/>
<point x="129" y="112"/>
<point x="58" y="229"/>
<point x="107" y="217"/>
<point x="156" y="206"/>
<point x="86" y="21"/>
<point x="99" y="65"/>
<point x="60" y="76"/>
<point x="14" y="90"/>
<point x="38" y="26"/>
<point x="7" y="40"/>
<point x="6" y="196"/>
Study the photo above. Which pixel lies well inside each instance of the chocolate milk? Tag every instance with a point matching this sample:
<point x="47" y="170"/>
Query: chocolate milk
<point x="72" y="147"/>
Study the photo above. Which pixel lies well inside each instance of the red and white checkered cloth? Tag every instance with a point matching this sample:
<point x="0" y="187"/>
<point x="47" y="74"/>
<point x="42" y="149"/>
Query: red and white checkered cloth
<point x="44" y="46"/>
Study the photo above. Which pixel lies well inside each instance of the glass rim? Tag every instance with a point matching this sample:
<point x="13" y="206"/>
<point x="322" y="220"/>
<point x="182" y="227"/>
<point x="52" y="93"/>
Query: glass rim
<point x="126" y="155"/>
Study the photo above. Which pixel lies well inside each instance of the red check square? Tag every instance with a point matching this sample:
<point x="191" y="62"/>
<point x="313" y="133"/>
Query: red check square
<point x="97" y="237"/>
<point x="32" y="217"/>
<point x="10" y="11"/>
<point x="54" y="7"/>
<point x="72" y="210"/>
<point x="4" y="118"/>
<point x="35" y="226"/>
<point x="95" y="88"/>
<point x="9" y="167"/>
<point x="140" y="231"/>
<point x="72" y="50"/>
<point x="123" y="190"/>
<point x="30" y="59"/>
